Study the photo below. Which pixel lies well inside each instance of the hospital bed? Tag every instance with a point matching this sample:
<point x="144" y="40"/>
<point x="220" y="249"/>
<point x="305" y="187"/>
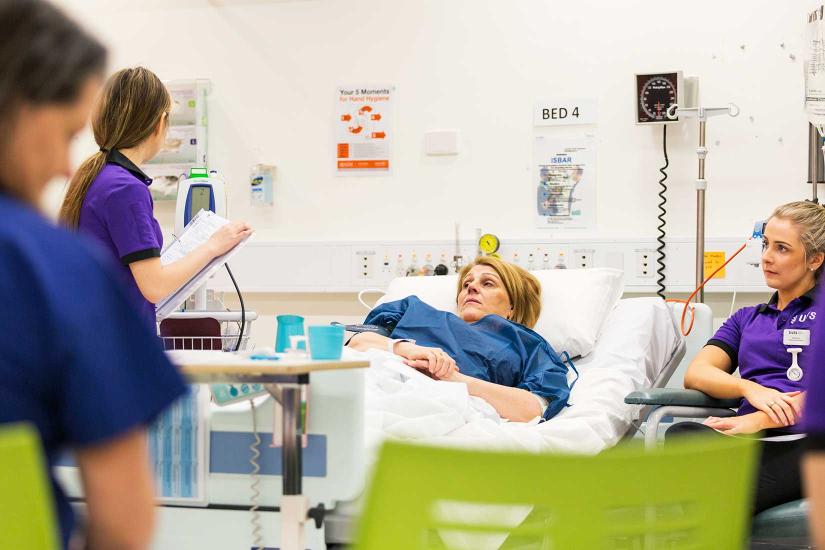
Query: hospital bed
<point x="635" y="346"/>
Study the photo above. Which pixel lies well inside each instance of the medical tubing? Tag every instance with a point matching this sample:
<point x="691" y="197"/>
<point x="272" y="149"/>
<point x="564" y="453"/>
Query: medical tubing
<point x="569" y="362"/>
<point x="368" y="290"/>
<point x="660" y="250"/>
<point x="696" y="291"/>
<point x="257" y="528"/>
<point x="243" y="308"/>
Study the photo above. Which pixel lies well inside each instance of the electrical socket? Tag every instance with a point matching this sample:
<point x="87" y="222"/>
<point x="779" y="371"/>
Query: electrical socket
<point x="646" y="263"/>
<point x="364" y="263"/>
<point x="582" y="259"/>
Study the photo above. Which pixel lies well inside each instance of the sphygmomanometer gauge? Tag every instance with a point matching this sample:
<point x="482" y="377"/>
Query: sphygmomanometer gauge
<point x="655" y="94"/>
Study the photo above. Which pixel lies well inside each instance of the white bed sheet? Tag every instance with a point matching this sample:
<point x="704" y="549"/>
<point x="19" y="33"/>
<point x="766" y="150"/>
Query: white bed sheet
<point x="637" y="340"/>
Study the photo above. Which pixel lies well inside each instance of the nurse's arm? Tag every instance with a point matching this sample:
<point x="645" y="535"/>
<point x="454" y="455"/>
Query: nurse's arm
<point x="513" y="404"/>
<point x="813" y="470"/>
<point x="710" y="372"/>
<point x="117" y="483"/>
<point x="157" y="281"/>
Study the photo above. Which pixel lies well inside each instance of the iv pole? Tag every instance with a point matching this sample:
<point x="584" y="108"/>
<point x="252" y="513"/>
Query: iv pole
<point x="702" y="114"/>
<point x="815" y="162"/>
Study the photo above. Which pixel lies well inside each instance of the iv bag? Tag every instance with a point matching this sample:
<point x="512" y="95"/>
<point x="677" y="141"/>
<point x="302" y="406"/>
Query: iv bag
<point x="815" y="69"/>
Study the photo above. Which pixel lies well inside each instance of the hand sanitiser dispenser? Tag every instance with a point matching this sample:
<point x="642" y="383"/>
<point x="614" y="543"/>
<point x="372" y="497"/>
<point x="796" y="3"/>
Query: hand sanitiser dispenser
<point x="201" y="190"/>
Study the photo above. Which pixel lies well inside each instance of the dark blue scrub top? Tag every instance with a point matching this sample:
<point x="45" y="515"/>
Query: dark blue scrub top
<point x="493" y="348"/>
<point x="77" y="361"/>
<point x="753" y="339"/>
<point x="118" y="213"/>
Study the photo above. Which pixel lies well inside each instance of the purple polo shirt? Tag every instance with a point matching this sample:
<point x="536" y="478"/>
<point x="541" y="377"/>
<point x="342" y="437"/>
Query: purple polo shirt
<point x="118" y="213"/>
<point x="813" y="415"/>
<point x="753" y="339"/>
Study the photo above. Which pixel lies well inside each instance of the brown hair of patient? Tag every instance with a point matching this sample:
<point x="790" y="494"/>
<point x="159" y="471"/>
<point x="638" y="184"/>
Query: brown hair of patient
<point x="522" y="288"/>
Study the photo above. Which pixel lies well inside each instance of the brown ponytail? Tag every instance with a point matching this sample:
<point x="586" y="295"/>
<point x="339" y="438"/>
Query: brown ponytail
<point x="133" y="103"/>
<point x="78" y="186"/>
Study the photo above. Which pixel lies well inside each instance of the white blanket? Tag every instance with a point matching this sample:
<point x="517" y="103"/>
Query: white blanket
<point x="402" y="403"/>
<point x="638" y="339"/>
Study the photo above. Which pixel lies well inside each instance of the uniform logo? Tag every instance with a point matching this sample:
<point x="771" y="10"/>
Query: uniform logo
<point x="809" y="315"/>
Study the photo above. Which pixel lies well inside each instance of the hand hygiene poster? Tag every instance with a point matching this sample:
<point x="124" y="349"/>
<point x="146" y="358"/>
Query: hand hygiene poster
<point x="565" y="183"/>
<point x="363" y="130"/>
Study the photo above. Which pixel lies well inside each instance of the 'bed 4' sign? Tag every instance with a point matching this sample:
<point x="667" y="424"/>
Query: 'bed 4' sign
<point x="564" y="112"/>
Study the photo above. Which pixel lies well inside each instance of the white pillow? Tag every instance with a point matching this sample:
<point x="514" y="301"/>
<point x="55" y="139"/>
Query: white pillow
<point x="574" y="302"/>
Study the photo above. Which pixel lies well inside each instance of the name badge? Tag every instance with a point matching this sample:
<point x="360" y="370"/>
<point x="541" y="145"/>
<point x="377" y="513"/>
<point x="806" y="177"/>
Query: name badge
<point x="797" y="337"/>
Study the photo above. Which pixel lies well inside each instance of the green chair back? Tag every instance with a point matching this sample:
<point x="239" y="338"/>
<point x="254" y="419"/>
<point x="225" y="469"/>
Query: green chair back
<point x="27" y="519"/>
<point x="693" y="494"/>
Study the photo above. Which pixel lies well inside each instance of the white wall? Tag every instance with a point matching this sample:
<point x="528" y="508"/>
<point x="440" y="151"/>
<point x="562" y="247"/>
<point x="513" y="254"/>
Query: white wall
<point x="478" y="66"/>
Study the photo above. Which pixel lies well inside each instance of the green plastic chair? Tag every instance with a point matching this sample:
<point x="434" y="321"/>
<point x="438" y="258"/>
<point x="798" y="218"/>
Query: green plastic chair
<point x="691" y="494"/>
<point x="27" y="519"/>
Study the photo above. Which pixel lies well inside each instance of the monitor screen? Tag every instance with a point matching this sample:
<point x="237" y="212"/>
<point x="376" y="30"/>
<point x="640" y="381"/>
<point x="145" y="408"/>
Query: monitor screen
<point x="200" y="199"/>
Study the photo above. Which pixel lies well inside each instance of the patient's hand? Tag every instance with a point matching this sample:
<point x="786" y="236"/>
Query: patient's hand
<point x="433" y="361"/>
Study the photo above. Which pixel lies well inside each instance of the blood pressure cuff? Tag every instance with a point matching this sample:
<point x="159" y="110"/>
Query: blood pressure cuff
<point x="356" y="329"/>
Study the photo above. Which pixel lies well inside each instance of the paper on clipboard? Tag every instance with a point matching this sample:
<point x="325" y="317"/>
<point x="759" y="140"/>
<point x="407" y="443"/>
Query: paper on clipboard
<point x="196" y="232"/>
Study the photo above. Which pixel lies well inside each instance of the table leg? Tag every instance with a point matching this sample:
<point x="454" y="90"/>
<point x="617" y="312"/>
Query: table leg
<point x="293" y="505"/>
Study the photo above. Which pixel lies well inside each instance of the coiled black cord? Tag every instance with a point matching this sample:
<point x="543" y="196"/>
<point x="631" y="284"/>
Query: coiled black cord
<point x="660" y="250"/>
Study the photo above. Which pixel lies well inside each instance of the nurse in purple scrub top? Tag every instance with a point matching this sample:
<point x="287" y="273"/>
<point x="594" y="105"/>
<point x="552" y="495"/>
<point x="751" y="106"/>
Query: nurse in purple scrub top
<point x="109" y="199"/>
<point x="770" y="345"/>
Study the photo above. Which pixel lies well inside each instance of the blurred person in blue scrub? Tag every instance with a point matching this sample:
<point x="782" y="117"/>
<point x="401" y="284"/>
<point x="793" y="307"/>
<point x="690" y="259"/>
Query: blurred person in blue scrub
<point x="109" y="199"/>
<point x="78" y="362"/>
<point x="489" y="345"/>
<point x="770" y="344"/>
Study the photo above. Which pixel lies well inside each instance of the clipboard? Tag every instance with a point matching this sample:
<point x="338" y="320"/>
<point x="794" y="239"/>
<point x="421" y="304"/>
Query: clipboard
<point x="199" y="229"/>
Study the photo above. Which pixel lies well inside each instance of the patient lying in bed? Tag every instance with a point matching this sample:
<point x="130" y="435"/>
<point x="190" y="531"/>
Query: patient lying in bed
<point x="488" y="346"/>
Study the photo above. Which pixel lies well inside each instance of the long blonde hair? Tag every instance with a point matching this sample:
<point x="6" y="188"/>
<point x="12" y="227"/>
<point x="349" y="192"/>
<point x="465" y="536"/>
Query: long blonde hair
<point x="133" y="103"/>
<point x="810" y="218"/>
<point x="523" y="289"/>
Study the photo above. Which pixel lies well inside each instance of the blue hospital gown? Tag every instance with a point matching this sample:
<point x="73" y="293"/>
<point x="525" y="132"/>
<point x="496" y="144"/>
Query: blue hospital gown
<point x="493" y="348"/>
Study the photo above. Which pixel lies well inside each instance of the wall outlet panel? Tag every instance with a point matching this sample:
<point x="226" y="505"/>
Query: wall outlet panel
<point x="340" y="267"/>
<point x="646" y="264"/>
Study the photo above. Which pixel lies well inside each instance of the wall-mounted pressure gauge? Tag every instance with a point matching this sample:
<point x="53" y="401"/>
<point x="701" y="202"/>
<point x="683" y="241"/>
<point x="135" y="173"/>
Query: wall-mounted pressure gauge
<point x="489" y="244"/>
<point x="655" y="93"/>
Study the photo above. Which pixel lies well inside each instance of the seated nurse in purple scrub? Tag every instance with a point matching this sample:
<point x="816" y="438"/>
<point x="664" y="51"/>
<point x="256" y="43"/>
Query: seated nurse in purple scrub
<point x="769" y="344"/>
<point x="108" y="197"/>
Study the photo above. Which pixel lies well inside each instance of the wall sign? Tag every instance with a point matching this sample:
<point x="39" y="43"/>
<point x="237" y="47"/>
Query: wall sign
<point x="565" y="112"/>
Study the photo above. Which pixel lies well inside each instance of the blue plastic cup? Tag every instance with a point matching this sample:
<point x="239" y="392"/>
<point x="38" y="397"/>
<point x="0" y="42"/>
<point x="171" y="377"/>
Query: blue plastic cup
<point x="326" y="341"/>
<point x="288" y="325"/>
